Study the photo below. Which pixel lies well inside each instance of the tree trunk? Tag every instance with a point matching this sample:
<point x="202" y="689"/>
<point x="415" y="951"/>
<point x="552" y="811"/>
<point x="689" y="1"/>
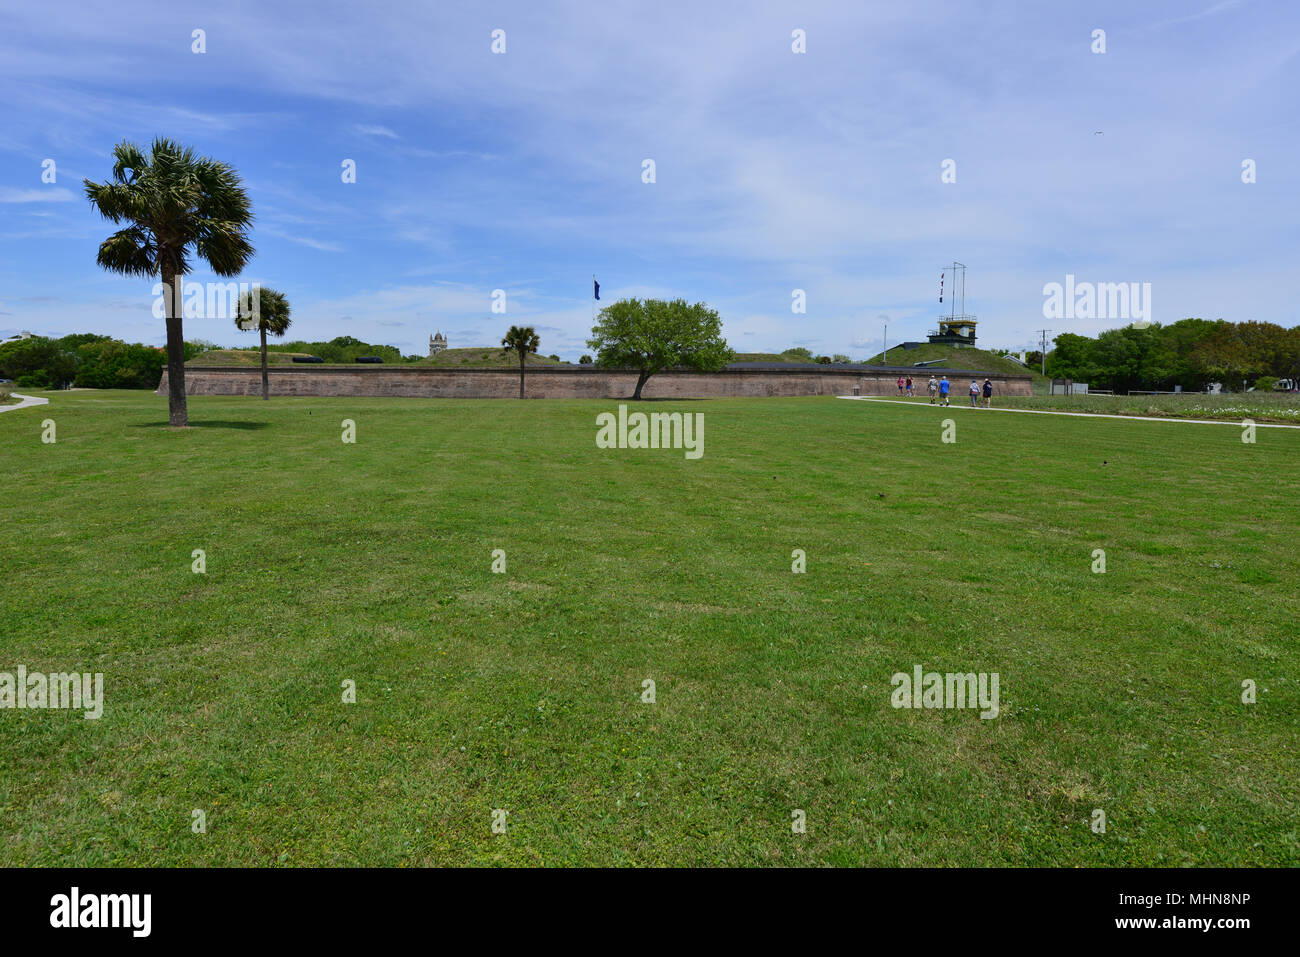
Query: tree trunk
<point x="266" y="385"/>
<point x="522" y="357"/>
<point x="641" y="380"/>
<point x="178" y="415"/>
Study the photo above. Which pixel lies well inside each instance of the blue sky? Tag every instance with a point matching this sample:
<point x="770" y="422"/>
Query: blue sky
<point x="775" y="171"/>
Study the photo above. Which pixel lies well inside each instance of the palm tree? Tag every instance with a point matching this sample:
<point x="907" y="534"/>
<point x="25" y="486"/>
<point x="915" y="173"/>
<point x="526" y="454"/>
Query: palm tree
<point x="172" y="200"/>
<point x="523" y="340"/>
<point x="271" y="315"/>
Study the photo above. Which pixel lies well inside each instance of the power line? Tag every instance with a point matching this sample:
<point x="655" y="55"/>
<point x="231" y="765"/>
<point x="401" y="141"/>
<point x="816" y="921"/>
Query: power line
<point x="1043" y="350"/>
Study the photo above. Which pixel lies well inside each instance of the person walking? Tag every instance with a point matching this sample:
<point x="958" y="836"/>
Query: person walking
<point x="934" y="388"/>
<point x="974" y="394"/>
<point x="910" y="393"/>
<point x="988" y="393"/>
<point x="944" y="388"/>
<point x="901" y="385"/>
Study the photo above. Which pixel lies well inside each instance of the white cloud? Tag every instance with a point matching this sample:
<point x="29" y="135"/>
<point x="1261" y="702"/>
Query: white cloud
<point x="55" y="194"/>
<point x="382" y="131"/>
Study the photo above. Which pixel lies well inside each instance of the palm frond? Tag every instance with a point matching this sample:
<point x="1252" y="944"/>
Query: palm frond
<point x="272" y="310"/>
<point x="177" y="201"/>
<point x="129" y="251"/>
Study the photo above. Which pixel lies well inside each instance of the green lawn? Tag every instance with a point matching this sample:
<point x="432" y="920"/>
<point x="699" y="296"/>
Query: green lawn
<point x="371" y="562"/>
<point x="1257" y="406"/>
<point x="953" y="357"/>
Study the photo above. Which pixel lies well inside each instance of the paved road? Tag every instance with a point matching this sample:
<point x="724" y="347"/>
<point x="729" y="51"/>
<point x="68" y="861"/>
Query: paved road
<point x="26" y="400"/>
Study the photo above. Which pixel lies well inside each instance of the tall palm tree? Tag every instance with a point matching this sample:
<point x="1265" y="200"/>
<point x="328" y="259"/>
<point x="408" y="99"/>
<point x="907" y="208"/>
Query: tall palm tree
<point x="173" y="200"/>
<point x="523" y="340"/>
<point x="270" y="315"/>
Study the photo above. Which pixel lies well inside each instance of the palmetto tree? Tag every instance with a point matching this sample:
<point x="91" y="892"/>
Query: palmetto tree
<point x="269" y="314"/>
<point x="173" y="200"/>
<point x="523" y="340"/>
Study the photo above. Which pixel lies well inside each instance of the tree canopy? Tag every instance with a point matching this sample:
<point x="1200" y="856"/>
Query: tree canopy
<point x="651" y="335"/>
<point x="1188" y="353"/>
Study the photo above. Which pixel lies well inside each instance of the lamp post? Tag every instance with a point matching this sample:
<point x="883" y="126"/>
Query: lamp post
<point x="884" y="356"/>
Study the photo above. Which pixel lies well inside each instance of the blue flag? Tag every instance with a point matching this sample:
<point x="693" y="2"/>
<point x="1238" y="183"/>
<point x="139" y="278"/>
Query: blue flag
<point x="597" y="285"/>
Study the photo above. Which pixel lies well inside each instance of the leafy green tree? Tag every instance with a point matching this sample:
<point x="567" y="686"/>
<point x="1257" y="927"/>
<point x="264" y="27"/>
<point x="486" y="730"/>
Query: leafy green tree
<point x="271" y="315"/>
<point x="798" y="354"/>
<point x="78" y="339"/>
<point x="112" y="364"/>
<point x="652" y="335"/>
<point x="1226" y="355"/>
<point x="1289" y="360"/>
<point x="1071" y="359"/>
<point x="38" y="363"/>
<point x="174" y="201"/>
<point x="585" y="360"/>
<point x="523" y="340"/>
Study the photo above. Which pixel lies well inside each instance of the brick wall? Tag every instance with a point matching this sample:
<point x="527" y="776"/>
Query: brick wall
<point x="567" y="382"/>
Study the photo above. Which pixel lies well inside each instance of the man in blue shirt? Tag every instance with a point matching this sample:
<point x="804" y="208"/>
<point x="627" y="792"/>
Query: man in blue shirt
<point x="944" y="387"/>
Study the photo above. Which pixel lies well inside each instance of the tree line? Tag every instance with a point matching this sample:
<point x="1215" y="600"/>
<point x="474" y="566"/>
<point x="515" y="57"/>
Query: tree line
<point x="87" y="361"/>
<point x="1190" y="353"/>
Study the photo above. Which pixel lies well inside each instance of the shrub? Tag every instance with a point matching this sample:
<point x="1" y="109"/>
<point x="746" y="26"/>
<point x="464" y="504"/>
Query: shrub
<point x="39" y="379"/>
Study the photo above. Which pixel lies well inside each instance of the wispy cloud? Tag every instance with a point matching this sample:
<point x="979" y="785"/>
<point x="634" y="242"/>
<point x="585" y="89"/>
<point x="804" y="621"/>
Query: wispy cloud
<point x="382" y="131"/>
<point x="318" y="244"/>
<point x="775" y="170"/>
<point x="52" y="194"/>
<point x="1221" y="7"/>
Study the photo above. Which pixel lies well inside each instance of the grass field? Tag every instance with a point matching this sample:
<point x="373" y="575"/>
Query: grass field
<point x="476" y="691"/>
<point x="952" y="357"/>
<point x="1257" y="406"/>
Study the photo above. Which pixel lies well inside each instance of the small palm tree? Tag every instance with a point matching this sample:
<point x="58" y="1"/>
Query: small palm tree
<point x="523" y="340"/>
<point x="269" y="314"/>
<point x="173" y="200"/>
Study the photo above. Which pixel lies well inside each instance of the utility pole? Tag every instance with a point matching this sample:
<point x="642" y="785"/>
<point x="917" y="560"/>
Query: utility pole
<point x="884" y="356"/>
<point x="1043" y="350"/>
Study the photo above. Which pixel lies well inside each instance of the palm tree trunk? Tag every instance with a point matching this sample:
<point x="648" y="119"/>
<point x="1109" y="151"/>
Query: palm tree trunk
<point x="641" y="380"/>
<point x="177" y="413"/>
<point x="522" y="356"/>
<point x="266" y="385"/>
